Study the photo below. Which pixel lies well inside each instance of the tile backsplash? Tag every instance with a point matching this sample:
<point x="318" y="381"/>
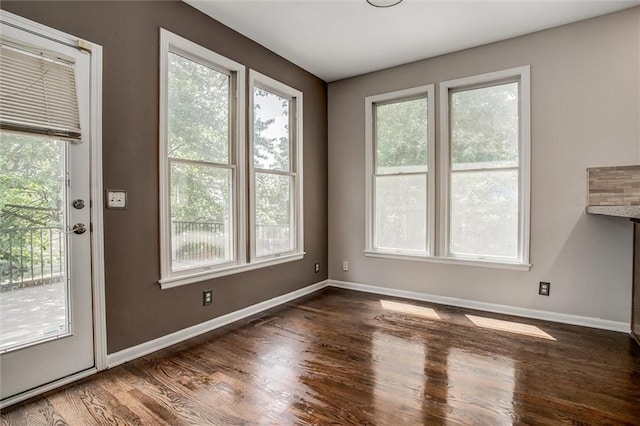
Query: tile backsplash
<point x="614" y="186"/>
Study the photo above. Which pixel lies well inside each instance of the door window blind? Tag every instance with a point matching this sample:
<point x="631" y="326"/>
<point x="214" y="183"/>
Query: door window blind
<point x="38" y="94"/>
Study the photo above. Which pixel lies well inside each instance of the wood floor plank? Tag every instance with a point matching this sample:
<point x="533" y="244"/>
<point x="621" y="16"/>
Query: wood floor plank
<point x="342" y="357"/>
<point x="37" y="412"/>
<point x="68" y="402"/>
<point x="125" y="397"/>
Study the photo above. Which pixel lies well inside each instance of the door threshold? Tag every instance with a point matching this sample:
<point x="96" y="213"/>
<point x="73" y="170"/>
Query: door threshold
<point x="47" y="387"/>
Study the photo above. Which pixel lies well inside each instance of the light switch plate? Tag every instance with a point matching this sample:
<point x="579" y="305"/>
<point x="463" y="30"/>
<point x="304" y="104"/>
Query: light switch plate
<point x="116" y="199"/>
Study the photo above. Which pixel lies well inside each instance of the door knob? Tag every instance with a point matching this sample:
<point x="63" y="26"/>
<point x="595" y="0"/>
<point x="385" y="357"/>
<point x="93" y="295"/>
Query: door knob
<point x="79" y="228"/>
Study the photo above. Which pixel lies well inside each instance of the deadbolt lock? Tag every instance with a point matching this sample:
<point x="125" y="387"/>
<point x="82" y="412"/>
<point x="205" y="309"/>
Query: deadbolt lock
<point x="78" y="204"/>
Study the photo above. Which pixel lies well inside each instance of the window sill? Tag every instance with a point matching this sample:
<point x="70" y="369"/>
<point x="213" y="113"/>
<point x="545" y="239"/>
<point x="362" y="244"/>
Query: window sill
<point x="181" y="280"/>
<point x="452" y="261"/>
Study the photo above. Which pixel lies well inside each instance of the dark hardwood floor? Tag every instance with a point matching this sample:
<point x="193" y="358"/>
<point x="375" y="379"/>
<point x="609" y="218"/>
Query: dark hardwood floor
<point x="342" y="357"/>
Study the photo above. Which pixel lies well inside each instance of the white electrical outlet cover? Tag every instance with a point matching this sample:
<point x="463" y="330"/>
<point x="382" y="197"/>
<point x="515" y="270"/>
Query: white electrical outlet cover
<point x="116" y="199"/>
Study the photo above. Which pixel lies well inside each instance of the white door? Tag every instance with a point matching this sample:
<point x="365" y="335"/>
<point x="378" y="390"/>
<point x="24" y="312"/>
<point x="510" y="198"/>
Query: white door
<point x="46" y="315"/>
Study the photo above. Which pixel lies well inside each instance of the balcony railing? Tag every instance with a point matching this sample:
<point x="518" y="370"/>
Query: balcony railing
<point x="199" y="241"/>
<point x="196" y="242"/>
<point x="272" y="238"/>
<point x="31" y="256"/>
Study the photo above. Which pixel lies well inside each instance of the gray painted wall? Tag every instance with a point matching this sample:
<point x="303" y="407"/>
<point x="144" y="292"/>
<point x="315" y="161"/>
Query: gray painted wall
<point x="585" y="94"/>
<point x="585" y="112"/>
<point x="137" y="309"/>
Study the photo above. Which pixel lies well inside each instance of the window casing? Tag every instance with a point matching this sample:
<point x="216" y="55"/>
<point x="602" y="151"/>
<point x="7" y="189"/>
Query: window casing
<point x="275" y="169"/>
<point x="208" y="229"/>
<point x="400" y="184"/>
<point x="201" y="166"/>
<point x="483" y="168"/>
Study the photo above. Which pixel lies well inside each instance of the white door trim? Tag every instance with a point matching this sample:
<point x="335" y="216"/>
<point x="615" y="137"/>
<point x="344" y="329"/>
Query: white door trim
<point x="97" y="208"/>
<point x="97" y="228"/>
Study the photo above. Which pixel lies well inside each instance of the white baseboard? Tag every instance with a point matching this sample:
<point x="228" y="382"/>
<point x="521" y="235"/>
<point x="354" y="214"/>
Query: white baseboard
<point x="488" y="307"/>
<point x="142" y="349"/>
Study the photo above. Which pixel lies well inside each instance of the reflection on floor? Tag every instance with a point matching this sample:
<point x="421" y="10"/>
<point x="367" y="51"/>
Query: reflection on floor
<point x="342" y="357"/>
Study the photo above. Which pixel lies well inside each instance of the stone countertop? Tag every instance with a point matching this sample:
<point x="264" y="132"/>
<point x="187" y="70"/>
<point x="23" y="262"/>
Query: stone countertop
<point x="619" y="211"/>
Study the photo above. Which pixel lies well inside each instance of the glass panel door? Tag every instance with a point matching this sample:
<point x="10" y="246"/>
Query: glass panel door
<point x="33" y="285"/>
<point x="46" y="310"/>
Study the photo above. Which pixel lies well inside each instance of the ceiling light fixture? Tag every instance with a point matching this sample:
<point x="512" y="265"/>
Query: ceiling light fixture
<point x="383" y="3"/>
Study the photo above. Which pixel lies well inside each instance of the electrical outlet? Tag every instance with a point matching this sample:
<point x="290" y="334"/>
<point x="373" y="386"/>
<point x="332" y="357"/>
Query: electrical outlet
<point x="345" y="265"/>
<point x="116" y="199"/>
<point x="317" y="267"/>
<point x="544" y="289"/>
<point x="207" y="297"/>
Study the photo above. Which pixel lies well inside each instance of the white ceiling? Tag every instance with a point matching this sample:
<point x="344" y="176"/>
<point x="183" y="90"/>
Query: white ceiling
<point x="335" y="39"/>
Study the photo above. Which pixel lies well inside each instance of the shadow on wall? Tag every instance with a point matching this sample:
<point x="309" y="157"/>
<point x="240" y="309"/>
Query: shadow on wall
<point x="601" y="250"/>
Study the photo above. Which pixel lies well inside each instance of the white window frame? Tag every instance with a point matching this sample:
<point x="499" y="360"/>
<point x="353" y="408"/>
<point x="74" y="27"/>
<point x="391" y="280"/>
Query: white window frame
<point x="173" y="43"/>
<point x="370" y="174"/>
<point x="438" y="247"/>
<point x="518" y="74"/>
<point x="261" y="81"/>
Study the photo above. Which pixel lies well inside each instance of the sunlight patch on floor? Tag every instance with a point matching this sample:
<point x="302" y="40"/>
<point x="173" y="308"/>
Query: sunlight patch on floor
<point x="509" y="326"/>
<point x="405" y="308"/>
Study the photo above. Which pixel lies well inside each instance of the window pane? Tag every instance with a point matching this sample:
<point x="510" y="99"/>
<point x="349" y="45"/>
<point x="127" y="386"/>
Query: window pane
<point x="401" y="136"/>
<point x="198" y="111"/>
<point x="201" y="215"/>
<point x="484" y="127"/>
<point x="274" y="222"/>
<point x="271" y="138"/>
<point x="33" y="250"/>
<point x="401" y="212"/>
<point x="484" y="213"/>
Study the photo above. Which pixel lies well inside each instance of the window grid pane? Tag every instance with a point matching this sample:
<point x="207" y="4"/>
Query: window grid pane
<point x="271" y="131"/>
<point x="484" y="214"/>
<point x="198" y="111"/>
<point x="274" y="218"/>
<point x="401" y="212"/>
<point x="485" y="127"/>
<point x="401" y="137"/>
<point x="202" y="215"/>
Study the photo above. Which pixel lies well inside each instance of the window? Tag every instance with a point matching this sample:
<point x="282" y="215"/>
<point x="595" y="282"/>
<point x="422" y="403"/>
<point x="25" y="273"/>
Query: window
<point x="485" y="167"/>
<point x="275" y="168"/>
<point x="201" y="150"/>
<point x="483" y="163"/>
<point x="206" y="178"/>
<point x="400" y="183"/>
